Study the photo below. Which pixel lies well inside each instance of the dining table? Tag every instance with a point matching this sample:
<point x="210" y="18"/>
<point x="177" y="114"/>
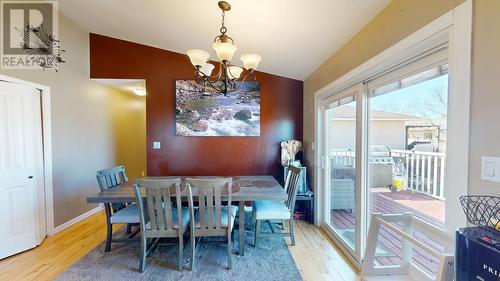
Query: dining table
<point x="244" y="189"/>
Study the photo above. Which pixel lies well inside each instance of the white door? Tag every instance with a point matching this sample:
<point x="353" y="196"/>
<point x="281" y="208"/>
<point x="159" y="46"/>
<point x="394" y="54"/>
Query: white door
<point x="21" y="160"/>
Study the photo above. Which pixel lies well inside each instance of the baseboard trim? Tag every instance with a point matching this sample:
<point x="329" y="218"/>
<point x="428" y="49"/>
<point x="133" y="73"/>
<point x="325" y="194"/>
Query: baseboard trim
<point x="81" y="217"/>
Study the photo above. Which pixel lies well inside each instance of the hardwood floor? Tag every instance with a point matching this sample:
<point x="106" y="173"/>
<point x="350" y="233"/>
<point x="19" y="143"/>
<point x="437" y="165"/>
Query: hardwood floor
<point x="57" y="252"/>
<point x="316" y="256"/>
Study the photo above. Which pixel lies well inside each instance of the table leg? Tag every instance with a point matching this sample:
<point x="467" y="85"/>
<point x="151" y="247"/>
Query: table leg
<point x="241" y="231"/>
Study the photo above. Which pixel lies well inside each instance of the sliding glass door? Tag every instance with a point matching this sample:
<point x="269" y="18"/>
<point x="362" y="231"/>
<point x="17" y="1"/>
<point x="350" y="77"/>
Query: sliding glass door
<point x="340" y="177"/>
<point x="384" y="151"/>
<point x="407" y="125"/>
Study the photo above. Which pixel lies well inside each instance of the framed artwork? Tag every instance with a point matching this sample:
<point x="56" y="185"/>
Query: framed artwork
<point x="200" y="111"/>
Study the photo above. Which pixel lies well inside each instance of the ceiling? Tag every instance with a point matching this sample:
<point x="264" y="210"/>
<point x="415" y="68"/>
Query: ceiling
<point x="126" y="85"/>
<point x="294" y="37"/>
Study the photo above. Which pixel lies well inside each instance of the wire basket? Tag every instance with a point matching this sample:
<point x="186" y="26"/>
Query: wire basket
<point x="482" y="210"/>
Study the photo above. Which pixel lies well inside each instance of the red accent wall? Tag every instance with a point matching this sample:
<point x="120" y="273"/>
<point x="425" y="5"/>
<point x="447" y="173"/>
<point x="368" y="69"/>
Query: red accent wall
<point x="281" y="113"/>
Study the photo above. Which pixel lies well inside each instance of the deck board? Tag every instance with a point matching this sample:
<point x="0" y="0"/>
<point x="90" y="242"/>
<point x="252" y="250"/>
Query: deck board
<point x="383" y="201"/>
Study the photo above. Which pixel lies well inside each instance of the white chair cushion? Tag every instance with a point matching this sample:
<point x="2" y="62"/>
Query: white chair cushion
<point x="184" y="219"/>
<point x="223" y="216"/>
<point x="129" y="214"/>
<point x="270" y="210"/>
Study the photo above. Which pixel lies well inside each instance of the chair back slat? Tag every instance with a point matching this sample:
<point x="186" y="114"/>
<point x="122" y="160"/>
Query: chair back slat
<point x="109" y="178"/>
<point x="165" y="193"/>
<point x="292" y="187"/>
<point x="159" y="208"/>
<point x="287" y="181"/>
<point x="202" y="208"/>
<point x="210" y="206"/>
<point x="159" y="205"/>
<point x="151" y="208"/>
<point x="218" y="207"/>
<point x="209" y="195"/>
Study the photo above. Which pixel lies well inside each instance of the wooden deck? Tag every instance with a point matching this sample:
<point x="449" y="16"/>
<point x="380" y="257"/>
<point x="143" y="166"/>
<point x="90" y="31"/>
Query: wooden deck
<point x="389" y="249"/>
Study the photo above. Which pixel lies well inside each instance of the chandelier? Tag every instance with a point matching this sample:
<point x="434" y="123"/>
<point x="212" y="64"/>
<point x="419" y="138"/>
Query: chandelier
<point x="228" y="79"/>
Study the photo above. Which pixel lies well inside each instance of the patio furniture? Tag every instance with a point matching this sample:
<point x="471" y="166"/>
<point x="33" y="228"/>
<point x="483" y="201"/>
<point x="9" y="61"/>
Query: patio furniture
<point x="405" y="225"/>
<point x="245" y="188"/>
<point x="158" y="217"/>
<point x="342" y="194"/>
<point x="118" y="212"/>
<point x="212" y="219"/>
<point x="278" y="210"/>
<point x="342" y="187"/>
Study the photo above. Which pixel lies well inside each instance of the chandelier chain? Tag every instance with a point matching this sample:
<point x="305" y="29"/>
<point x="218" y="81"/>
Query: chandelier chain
<point x="223" y="29"/>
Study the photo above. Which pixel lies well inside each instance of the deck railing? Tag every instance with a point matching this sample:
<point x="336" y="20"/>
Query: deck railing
<point x="344" y="157"/>
<point x="423" y="172"/>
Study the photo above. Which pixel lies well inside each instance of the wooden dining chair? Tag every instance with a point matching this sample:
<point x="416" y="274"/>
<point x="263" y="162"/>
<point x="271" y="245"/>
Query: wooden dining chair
<point x="158" y="217"/>
<point x="212" y="218"/>
<point x="277" y="211"/>
<point x="117" y="213"/>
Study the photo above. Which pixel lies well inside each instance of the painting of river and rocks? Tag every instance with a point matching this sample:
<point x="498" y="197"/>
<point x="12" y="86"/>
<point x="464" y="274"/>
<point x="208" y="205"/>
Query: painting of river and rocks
<point x="200" y="111"/>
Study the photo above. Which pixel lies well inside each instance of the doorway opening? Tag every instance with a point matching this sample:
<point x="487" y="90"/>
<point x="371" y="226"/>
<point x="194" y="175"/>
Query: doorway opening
<point x="128" y="111"/>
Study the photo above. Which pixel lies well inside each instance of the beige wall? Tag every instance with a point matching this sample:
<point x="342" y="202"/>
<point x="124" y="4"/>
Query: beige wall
<point x="129" y="131"/>
<point x="485" y="97"/>
<point x="398" y="20"/>
<point x="83" y="138"/>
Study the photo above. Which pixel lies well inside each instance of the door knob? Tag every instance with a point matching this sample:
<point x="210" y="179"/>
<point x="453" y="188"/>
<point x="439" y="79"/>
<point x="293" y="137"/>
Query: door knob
<point x="30" y="177"/>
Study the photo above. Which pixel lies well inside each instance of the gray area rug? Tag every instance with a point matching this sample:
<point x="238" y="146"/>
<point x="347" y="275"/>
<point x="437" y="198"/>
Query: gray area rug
<point x="270" y="261"/>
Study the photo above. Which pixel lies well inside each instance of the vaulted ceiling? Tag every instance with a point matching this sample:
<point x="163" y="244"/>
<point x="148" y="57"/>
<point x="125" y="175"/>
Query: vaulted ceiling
<point x="294" y="37"/>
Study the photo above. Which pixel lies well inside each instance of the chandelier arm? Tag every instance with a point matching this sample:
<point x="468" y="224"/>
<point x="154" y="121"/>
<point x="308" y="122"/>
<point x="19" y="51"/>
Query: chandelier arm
<point x="200" y="74"/>
<point x="236" y="84"/>
<point x="250" y="74"/>
<point x="210" y="83"/>
<point x="239" y="82"/>
<point x="229" y="71"/>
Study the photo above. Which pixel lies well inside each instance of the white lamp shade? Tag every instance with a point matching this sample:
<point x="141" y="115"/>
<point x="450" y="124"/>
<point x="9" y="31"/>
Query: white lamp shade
<point x="207" y="69"/>
<point x="224" y="50"/>
<point x="234" y="72"/>
<point x="198" y="57"/>
<point x="251" y="61"/>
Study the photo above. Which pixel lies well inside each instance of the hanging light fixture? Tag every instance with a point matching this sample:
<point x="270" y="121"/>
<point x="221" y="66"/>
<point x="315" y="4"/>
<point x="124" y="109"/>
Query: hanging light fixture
<point x="228" y="79"/>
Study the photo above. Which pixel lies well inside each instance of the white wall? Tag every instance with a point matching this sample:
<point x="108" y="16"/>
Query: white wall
<point x="82" y="128"/>
<point x="485" y="96"/>
<point x="342" y="134"/>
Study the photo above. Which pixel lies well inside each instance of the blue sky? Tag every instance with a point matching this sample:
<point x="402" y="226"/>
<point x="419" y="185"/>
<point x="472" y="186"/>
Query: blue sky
<point x="426" y="99"/>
